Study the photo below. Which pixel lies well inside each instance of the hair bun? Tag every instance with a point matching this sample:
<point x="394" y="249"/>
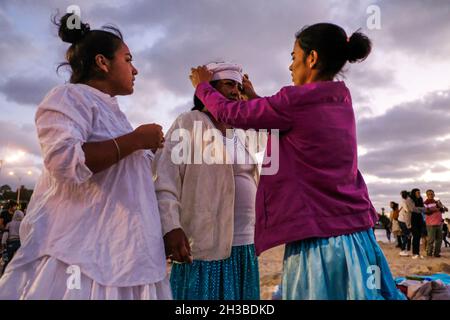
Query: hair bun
<point x="359" y="47"/>
<point x="68" y="32"/>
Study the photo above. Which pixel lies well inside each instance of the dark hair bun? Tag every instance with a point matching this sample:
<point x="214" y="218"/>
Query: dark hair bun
<point x="71" y="29"/>
<point x="359" y="47"/>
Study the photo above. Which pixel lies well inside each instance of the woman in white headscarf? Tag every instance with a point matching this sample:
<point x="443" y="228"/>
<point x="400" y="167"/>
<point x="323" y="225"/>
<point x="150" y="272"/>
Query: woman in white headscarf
<point x="208" y="209"/>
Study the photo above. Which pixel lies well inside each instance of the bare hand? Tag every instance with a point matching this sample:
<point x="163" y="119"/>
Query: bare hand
<point x="177" y="246"/>
<point x="149" y="136"/>
<point x="199" y="75"/>
<point x="247" y="88"/>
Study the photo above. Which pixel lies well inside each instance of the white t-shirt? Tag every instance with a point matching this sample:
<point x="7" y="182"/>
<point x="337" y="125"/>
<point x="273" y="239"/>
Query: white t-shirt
<point x="245" y="192"/>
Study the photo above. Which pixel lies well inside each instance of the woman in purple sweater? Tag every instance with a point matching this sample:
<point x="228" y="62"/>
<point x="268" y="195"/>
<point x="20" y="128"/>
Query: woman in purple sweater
<point x="317" y="202"/>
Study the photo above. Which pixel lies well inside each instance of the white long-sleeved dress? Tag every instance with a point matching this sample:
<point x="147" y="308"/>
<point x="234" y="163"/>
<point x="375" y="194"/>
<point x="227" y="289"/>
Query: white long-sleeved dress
<point x="88" y="236"/>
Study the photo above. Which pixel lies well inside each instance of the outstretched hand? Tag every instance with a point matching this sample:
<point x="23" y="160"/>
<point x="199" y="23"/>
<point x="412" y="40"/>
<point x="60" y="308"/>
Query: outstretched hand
<point x="199" y="75"/>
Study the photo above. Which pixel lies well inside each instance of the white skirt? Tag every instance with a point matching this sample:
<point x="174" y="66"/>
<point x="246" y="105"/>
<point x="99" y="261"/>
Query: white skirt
<point x="51" y="279"/>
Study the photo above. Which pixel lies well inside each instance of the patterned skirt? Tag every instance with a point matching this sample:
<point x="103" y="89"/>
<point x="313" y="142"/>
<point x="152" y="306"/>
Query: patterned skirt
<point x="234" y="278"/>
<point x="347" y="267"/>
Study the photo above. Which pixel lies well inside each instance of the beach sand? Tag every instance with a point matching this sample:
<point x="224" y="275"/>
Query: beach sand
<point x="270" y="263"/>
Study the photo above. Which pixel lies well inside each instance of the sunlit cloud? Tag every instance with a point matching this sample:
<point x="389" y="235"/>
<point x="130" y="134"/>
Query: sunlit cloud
<point x="14" y="156"/>
<point x="369" y="178"/>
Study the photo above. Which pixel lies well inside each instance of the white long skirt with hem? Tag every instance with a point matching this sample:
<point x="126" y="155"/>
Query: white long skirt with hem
<point x="48" y="279"/>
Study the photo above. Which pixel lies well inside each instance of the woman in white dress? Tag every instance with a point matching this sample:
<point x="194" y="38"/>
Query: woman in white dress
<point x="92" y="230"/>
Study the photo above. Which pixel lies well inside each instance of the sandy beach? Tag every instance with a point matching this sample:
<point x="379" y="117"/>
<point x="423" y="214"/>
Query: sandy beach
<point x="270" y="263"/>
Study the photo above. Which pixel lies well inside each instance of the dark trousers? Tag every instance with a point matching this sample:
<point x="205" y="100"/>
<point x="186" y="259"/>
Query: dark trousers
<point x="405" y="244"/>
<point x="444" y="237"/>
<point x="434" y="240"/>
<point x="417" y="230"/>
<point x="11" y="248"/>
<point x="399" y="241"/>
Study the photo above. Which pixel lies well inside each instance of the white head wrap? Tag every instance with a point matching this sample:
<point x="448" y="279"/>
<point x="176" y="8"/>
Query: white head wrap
<point x="18" y="215"/>
<point x="226" y="71"/>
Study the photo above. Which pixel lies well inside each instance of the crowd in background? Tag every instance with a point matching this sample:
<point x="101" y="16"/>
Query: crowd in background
<point x="414" y="221"/>
<point x="10" y="219"/>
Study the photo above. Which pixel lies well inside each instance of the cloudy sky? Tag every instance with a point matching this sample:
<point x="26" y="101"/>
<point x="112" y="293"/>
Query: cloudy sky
<point x="401" y="92"/>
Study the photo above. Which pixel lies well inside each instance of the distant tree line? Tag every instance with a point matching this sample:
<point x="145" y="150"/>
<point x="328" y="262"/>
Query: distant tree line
<point x="6" y="193"/>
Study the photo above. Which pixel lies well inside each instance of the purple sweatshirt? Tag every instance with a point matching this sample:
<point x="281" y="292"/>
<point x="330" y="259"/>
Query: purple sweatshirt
<point x="318" y="190"/>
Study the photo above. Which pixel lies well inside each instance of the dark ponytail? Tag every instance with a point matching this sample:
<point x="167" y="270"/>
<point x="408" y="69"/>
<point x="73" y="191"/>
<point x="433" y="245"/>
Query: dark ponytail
<point x="333" y="46"/>
<point x="71" y="35"/>
<point x="359" y="47"/>
<point x="85" y="45"/>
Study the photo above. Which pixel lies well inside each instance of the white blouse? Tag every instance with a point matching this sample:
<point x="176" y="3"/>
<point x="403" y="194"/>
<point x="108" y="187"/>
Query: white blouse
<point x="108" y="224"/>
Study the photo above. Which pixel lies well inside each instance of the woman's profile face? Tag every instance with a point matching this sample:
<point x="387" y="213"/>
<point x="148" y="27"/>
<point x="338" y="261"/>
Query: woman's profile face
<point x="298" y="67"/>
<point x="122" y="72"/>
<point x="417" y="194"/>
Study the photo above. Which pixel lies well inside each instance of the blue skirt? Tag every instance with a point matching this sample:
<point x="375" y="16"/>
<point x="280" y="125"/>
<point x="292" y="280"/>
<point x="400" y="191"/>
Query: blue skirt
<point x="234" y="278"/>
<point x="347" y="267"/>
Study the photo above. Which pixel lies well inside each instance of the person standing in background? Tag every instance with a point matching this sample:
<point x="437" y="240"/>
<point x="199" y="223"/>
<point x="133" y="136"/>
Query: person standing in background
<point x="404" y="221"/>
<point x="7" y="214"/>
<point x="386" y="222"/>
<point x="445" y="232"/>
<point x="396" y="230"/>
<point x="433" y="220"/>
<point x="11" y="238"/>
<point x="417" y="221"/>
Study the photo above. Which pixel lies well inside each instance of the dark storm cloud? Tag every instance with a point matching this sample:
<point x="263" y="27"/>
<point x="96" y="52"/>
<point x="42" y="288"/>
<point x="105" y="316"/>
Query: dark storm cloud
<point x="417" y="27"/>
<point x="27" y="90"/>
<point x="419" y="120"/>
<point x="198" y="32"/>
<point x="403" y="144"/>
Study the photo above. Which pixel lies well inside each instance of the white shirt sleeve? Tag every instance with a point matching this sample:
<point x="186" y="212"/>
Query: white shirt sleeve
<point x="64" y="123"/>
<point x="412" y="207"/>
<point x="168" y="183"/>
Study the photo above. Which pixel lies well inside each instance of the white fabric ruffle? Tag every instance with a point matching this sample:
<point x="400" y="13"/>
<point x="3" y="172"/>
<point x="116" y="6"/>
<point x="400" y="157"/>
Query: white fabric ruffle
<point x="51" y="279"/>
